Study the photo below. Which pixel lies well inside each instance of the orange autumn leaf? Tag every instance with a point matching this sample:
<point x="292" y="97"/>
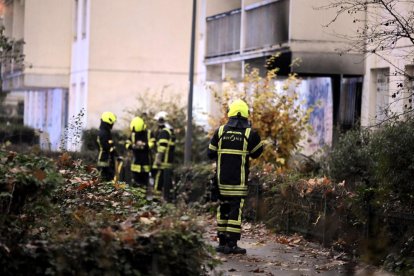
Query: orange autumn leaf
<point x="39" y="174"/>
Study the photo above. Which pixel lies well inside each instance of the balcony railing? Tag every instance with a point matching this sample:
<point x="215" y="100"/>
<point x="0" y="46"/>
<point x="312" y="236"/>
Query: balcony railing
<point x="223" y="34"/>
<point x="265" y="26"/>
<point x="12" y="59"/>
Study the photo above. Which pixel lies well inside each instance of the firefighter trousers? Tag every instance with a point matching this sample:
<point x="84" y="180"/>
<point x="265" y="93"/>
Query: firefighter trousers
<point x="229" y="218"/>
<point x="163" y="183"/>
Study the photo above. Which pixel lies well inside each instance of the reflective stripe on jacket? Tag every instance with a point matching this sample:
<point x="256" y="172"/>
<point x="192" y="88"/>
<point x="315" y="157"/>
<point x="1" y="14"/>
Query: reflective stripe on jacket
<point x="232" y="147"/>
<point x="106" y="146"/>
<point x="142" y="158"/>
<point x="166" y="146"/>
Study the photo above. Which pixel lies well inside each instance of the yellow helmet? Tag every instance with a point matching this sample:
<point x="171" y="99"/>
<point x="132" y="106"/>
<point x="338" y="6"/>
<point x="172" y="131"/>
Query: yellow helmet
<point x="108" y="117"/>
<point x="238" y="107"/>
<point x="137" y="124"/>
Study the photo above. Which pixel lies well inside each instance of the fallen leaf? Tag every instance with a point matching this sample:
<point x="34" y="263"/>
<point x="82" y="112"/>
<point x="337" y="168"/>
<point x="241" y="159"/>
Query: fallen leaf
<point x="39" y="174"/>
<point x="145" y="220"/>
<point x="257" y="270"/>
<point x="107" y="234"/>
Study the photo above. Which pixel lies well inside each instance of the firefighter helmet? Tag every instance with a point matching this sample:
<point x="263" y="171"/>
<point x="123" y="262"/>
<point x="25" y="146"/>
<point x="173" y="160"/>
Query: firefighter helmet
<point x="161" y="116"/>
<point x="108" y="117"/>
<point x="238" y="108"/>
<point x="137" y="124"/>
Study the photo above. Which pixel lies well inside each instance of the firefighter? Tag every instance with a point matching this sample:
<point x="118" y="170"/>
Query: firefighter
<point x="141" y="142"/>
<point x="231" y="146"/>
<point x="107" y="152"/>
<point x="164" y="157"/>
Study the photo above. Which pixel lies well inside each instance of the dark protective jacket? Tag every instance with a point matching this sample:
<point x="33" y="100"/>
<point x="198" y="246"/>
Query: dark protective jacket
<point x="141" y="144"/>
<point x="107" y="152"/>
<point x="165" y="146"/>
<point x="232" y="145"/>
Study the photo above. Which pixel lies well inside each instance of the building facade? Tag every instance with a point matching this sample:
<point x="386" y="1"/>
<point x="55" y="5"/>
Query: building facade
<point x="389" y="75"/>
<point x="42" y="35"/>
<point x="84" y="57"/>
<point x="241" y="32"/>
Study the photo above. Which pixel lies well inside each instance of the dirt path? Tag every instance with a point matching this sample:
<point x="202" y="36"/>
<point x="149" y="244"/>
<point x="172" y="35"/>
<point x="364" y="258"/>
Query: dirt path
<point x="275" y="254"/>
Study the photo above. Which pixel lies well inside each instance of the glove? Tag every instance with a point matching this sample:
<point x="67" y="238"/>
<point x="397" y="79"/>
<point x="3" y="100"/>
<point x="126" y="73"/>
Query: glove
<point x="139" y="145"/>
<point x="158" y="158"/>
<point x="214" y="190"/>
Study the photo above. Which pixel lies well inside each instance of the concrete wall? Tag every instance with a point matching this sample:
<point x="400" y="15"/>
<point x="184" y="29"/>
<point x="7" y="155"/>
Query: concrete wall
<point x="307" y="31"/>
<point x="136" y="47"/>
<point x="214" y="7"/>
<point x="395" y="60"/>
<point x="48" y="36"/>
<point x="18" y="19"/>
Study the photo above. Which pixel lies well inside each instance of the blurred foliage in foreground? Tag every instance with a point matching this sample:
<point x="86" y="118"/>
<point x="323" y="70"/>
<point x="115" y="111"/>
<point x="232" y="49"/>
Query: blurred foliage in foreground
<point x="58" y="218"/>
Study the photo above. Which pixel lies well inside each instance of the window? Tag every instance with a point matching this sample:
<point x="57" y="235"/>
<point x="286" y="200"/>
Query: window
<point x="409" y="87"/>
<point x="84" y="17"/>
<point x="350" y="102"/>
<point x="75" y="20"/>
<point x="381" y="78"/>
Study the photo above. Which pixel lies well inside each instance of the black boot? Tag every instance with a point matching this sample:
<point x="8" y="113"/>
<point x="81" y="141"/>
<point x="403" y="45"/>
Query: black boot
<point x="232" y="248"/>
<point x="222" y="245"/>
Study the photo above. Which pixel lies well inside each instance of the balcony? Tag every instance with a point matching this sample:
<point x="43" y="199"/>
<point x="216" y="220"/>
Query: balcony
<point x="12" y="66"/>
<point x="254" y="32"/>
<point x="223" y="32"/>
<point x="267" y="25"/>
<point x="12" y="60"/>
<point x="264" y="27"/>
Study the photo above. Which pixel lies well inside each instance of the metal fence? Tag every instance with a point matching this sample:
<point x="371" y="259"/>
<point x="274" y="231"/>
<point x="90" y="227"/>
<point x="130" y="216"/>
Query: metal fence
<point x="326" y="219"/>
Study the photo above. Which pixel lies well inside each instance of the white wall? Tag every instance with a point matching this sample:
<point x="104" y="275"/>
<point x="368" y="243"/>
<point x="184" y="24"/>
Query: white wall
<point x="136" y="48"/>
<point x="214" y="7"/>
<point x="48" y="36"/>
<point x="43" y="112"/>
<point x="395" y="60"/>
<point x="78" y="88"/>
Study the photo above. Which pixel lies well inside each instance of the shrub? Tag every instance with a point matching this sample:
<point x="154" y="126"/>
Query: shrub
<point x="351" y="159"/>
<point x="89" y="143"/>
<point x="25" y="178"/>
<point x="193" y="181"/>
<point x="148" y="107"/>
<point x="377" y="167"/>
<point x="378" y="164"/>
<point x="276" y="113"/>
<point x="393" y="170"/>
<point x="86" y="227"/>
<point x="17" y="134"/>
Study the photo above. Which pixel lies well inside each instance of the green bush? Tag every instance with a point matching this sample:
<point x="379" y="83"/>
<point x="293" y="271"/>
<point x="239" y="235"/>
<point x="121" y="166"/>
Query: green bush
<point x="393" y="169"/>
<point x="378" y="164"/>
<point x="148" y="107"/>
<point x="377" y="167"/>
<point x="193" y="181"/>
<point x="351" y="159"/>
<point x="89" y="143"/>
<point x="76" y="225"/>
<point x="17" y="134"/>
<point x="25" y="178"/>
